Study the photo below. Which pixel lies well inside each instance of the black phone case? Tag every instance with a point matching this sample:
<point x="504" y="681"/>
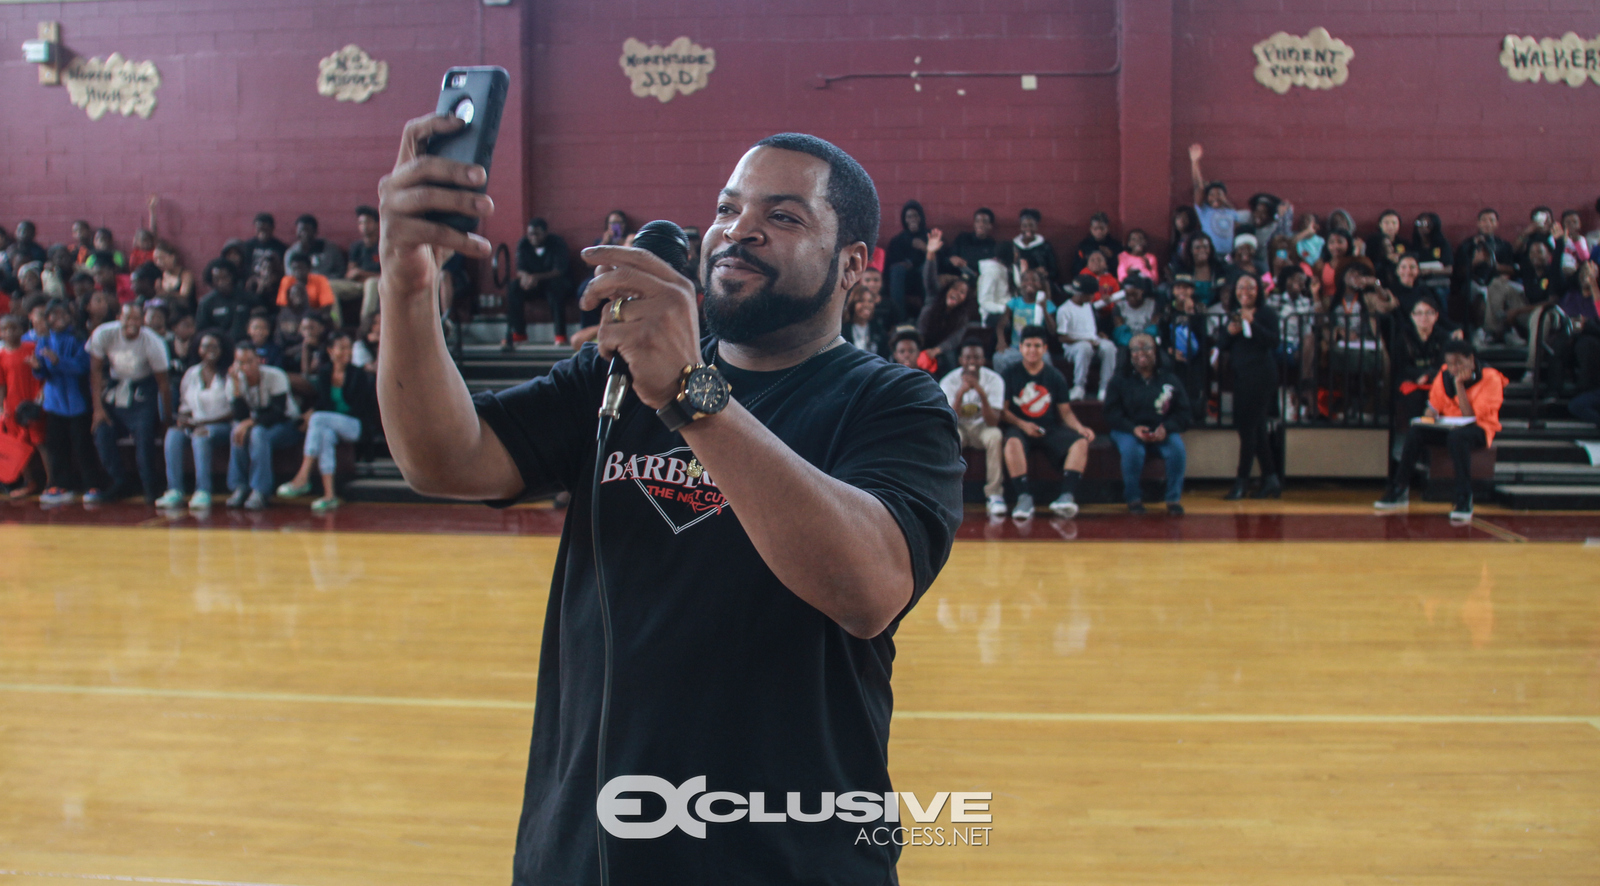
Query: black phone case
<point x="473" y="143"/>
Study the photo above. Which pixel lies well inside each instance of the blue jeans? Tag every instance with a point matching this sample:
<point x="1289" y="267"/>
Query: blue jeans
<point x="215" y="437"/>
<point x="139" y="418"/>
<point x="324" y="430"/>
<point x="1133" y="455"/>
<point x="254" y="459"/>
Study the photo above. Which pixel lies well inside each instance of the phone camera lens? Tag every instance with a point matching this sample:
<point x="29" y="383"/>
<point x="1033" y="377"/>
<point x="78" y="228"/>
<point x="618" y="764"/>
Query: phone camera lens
<point x="464" y="110"/>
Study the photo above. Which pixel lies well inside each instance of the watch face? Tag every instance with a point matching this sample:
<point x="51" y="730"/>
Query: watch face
<point x="706" y="391"/>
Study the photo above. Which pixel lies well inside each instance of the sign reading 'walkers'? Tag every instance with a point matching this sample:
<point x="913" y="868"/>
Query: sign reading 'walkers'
<point x="1571" y="60"/>
<point x="114" y="84"/>
<point x="350" y="75"/>
<point x="665" y="71"/>
<point x="1315" y="61"/>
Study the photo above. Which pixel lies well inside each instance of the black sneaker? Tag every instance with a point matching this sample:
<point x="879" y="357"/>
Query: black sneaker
<point x="1394" y="500"/>
<point x="1174" y="509"/>
<point x="1136" y="507"/>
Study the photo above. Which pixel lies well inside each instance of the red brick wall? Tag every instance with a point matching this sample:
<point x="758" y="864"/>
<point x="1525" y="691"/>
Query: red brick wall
<point x="596" y="147"/>
<point x="1427" y="121"/>
<point x="238" y="126"/>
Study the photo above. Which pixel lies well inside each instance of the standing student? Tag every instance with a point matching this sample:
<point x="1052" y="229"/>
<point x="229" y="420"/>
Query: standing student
<point x="1038" y="415"/>
<point x="1249" y="338"/>
<point x="60" y="361"/>
<point x="135" y="359"/>
<point x="19" y="387"/>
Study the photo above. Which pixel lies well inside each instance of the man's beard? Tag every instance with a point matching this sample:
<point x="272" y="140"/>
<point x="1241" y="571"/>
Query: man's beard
<point x="744" y="319"/>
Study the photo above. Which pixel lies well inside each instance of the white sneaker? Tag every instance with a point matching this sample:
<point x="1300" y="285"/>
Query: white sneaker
<point x="1480" y="338"/>
<point x="1077" y="393"/>
<point x="997" y="506"/>
<point x="256" y="501"/>
<point x="200" y="501"/>
<point x="1024" y="508"/>
<point x="1103" y="392"/>
<point x="172" y="498"/>
<point x="236" y="500"/>
<point x="1515" y="339"/>
<point x="1064" y="506"/>
<point x="1460" y="518"/>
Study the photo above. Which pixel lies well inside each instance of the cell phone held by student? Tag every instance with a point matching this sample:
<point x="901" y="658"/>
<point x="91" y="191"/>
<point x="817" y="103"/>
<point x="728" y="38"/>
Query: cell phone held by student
<point x="476" y="95"/>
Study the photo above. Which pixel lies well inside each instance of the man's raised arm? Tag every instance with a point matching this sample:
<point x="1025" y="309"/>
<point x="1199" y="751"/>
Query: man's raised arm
<point x="437" y="439"/>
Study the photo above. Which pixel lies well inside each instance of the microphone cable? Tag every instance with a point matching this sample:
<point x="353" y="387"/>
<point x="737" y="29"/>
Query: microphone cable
<point x="666" y="241"/>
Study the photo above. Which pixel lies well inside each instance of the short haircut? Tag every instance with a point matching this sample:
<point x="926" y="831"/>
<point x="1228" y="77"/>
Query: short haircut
<point x="337" y="334"/>
<point x="80" y="221"/>
<point x="164" y="246"/>
<point x="240" y="346"/>
<point x="367" y="211"/>
<point x="1100" y="217"/>
<point x="1488" y="210"/>
<point x="106" y="231"/>
<point x="265" y="218"/>
<point x="10" y="319"/>
<point x="156" y="304"/>
<point x="906" y="333"/>
<point x="1031" y="213"/>
<point x="974" y="342"/>
<point x="1461" y="347"/>
<point x="537" y="222"/>
<point x="261" y="314"/>
<point x="55" y="304"/>
<point x="1386" y="213"/>
<point x="850" y="190"/>
<point x="306" y="219"/>
<point x="1538" y="209"/>
<point x="82" y="276"/>
<point x="300" y="258"/>
<point x="146" y="272"/>
<point x="1032" y="331"/>
<point x="984" y="210"/>
<point x="222" y="264"/>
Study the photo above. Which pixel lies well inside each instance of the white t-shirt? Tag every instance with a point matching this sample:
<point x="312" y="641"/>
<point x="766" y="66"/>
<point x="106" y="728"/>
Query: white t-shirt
<point x="1075" y="321"/>
<point x="274" y="381"/>
<point x="204" y="403"/>
<point x="969" y="412"/>
<point x="131" y="359"/>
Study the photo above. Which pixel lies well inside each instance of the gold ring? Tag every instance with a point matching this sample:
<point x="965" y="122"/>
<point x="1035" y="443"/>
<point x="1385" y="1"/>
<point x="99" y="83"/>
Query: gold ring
<point x="616" y="309"/>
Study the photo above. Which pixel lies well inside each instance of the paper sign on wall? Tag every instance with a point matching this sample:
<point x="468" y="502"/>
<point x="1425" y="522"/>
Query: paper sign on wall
<point x="1315" y="61"/>
<point x="1571" y="60"/>
<point x="350" y="75"/>
<point x="114" y="84"/>
<point x="665" y="71"/>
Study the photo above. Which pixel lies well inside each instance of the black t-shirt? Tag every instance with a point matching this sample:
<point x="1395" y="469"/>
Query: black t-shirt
<point x="719" y="670"/>
<point x="1035" y="398"/>
<point x="551" y="255"/>
<point x="364" y="257"/>
<point x="260" y="249"/>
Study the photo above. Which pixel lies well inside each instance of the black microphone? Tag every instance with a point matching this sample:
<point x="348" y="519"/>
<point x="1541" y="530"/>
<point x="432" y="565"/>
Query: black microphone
<point x="666" y="241"/>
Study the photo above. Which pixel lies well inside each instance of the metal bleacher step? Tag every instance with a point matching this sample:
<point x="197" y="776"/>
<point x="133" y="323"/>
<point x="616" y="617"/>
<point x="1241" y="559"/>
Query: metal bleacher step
<point x="1560" y="451"/>
<point x="1547" y="472"/>
<point x="1548" y="497"/>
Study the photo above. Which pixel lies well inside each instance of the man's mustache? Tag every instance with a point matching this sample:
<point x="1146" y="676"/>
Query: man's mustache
<point x="738" y="251"/>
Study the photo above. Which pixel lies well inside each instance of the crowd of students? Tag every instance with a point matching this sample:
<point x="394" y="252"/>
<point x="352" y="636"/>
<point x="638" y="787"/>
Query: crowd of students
<point x="98" y="345"/>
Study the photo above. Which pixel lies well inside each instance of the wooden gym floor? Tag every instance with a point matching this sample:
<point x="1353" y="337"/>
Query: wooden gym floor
<point x="1283" y="693"/>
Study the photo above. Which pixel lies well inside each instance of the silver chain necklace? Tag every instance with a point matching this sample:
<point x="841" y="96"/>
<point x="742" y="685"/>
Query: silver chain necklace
<point x="750" y="402"/>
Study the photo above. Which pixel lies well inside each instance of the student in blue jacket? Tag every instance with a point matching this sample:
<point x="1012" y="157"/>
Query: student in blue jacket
<point x="70" y="461"/>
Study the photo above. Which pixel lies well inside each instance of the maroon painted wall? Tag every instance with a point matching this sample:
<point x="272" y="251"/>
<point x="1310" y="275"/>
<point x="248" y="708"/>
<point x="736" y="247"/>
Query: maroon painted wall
<point x="1428" y="119"/>
<point x="596" y="146"/>
<point x="238" y="126"/>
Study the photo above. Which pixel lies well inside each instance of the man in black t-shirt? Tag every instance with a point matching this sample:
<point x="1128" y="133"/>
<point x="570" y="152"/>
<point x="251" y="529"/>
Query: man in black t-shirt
<point x="971" y="247"/>
<point x="758" y="549"/>
<point x="541" y="270"/>
<point x="264" y="243"/>
<point x="1038" y="415"/>
<point x="1539" y="283"/>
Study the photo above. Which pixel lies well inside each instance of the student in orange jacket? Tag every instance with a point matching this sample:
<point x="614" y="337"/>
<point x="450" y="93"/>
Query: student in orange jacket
<point x="1460" y="390"/>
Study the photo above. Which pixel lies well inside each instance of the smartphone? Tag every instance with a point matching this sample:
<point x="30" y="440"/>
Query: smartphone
<point x="476" y="95"/>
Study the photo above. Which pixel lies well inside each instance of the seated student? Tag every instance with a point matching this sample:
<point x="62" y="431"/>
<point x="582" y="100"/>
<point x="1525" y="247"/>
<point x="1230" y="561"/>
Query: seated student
<point x="1307" y="242"/>
<point x="264" y="243"/>
<point x="1038" y="415"/>
<point x="226" y="308"/>
<point x="1096" y="266"/>
<point x="1030" y="306"/>
<point x="1245" y="261"/>
<point x="104" y="251"/>
<point x="1418" y="355"/>
<point x="265" y="417"/>
<point x="307" y="356"/>
<point x="1135" y="314"/>
<point x="78" y="288"/>
<point x="1185" y="336"/>
<point x="325" y="256"/>
<point x="948" y="310"/>
<point x="1511" y="307"/>
<point x="260" y="332"/>
<point x="118" y="287"/>
<point x="288" y="318"/>
<point x="363" y="267"/>
<point x="543" y="271"/>
<point x="183" y="350"/>
<point x="365" y="353"/>
<point x="861" y="326"/>
<point x="1099" y="240"/>
<point x="1033" y="248"/>
<point x="1461" y="389"/>
<point x="1081" y="338"/>
<point x="905" y="348"/>
<point x="135" y="359"/>
<point x="266" y="277"/>
<point x="61" y="363"/>
<point x="205" y="414"/>
<point x="978" y="395"/>
<point x="19" y="386"/>
<point x="319" y="295"/>
<point x="346" y="405"/>
<point x="1148" y="408"/>
<point x="177" y="281"/>
<point x="1138" y="259"/>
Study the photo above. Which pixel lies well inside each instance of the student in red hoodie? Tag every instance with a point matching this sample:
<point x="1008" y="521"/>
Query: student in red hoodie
<point x="1461" y="390"/>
